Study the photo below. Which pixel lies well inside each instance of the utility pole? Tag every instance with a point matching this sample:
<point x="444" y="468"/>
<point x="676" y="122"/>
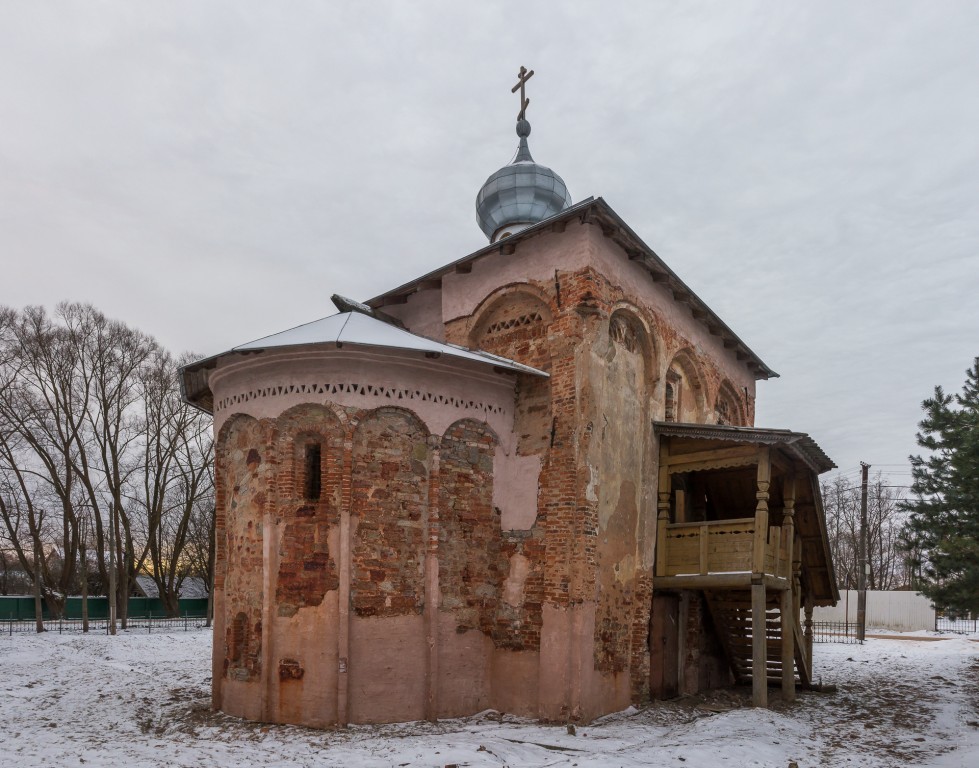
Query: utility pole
<point x="862" y="575"/>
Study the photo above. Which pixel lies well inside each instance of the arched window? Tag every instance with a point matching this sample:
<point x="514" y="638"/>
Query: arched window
<point x="684" y="391"/>
<point x="727" y="409"/>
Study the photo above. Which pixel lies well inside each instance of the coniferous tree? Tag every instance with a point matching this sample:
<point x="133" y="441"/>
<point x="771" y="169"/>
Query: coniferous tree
<point x="944" y="513"/>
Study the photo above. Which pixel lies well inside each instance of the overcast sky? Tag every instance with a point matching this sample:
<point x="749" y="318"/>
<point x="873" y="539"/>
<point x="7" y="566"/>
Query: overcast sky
<point x="211" y="172"/>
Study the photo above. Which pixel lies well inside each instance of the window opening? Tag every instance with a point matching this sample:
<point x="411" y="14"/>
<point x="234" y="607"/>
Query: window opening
<point x="314" y="472"/>
<point x="672" y="396"/>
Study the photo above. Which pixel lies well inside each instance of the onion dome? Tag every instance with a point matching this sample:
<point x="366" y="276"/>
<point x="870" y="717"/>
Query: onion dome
<point x="519" y="194"/>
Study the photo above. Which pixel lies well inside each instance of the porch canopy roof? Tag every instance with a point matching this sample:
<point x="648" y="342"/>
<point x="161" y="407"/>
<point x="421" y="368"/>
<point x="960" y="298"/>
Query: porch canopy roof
<point x="725" y="457"/>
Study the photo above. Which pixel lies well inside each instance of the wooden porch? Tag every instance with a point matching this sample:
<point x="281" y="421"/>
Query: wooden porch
<point x="730" y="500"/>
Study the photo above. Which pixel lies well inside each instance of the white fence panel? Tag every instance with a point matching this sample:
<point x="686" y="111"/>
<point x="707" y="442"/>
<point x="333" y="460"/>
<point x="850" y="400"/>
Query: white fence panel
<point x="899" y="611"/>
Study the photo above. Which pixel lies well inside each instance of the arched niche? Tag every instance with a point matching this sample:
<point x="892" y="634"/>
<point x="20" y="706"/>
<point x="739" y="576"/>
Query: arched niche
<point x="310" y="453"/>
<point x="243" y="474"/>
<point x="619" y="465"/>
<point x="309" y="445"/>
<point x="729" y="407"/>
<point x="628" y="330"/>
<point x="683" y="390"/>
<point x="391" y="459"/>
<point x="513" y="322"/>
<point x="472" y="566"/>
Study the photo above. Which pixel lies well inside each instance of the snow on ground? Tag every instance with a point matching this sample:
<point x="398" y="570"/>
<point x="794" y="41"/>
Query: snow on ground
<point x="143" y="700"/>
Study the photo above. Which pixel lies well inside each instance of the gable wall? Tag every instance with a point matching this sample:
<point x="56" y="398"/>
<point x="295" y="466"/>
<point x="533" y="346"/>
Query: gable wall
<point x="608" y="335"/>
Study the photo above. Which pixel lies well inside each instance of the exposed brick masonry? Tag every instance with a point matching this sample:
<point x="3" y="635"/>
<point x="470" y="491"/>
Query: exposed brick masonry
<point x="389" y="501"/>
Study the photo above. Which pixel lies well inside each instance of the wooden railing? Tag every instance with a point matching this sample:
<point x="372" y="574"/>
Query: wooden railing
<point x="721" y="547"/>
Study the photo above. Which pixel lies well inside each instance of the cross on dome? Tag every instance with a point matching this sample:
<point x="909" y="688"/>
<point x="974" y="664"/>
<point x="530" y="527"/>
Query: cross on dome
<point x="523" y="192"/>
<point x="523" y="76"/>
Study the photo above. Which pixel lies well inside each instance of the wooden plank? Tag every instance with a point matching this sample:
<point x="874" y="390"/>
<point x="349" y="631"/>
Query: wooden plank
<point x="774" y="535"/>
<point x="716" y="454"/>
<point x="717" y="524"/>
<point x="711" y="581"/>
<point x="704" y="541"/>
<point x="699" y="466"/>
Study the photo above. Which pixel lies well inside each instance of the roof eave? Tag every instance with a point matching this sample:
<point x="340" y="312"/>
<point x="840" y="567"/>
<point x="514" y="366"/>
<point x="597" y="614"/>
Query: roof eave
<point x="800" y="444"/>
<point x="195" y="390"/>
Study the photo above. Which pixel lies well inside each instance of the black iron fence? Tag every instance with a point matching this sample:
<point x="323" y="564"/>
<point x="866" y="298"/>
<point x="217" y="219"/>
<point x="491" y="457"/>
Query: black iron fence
<point x="956" y="625"/>
<point x="65" y="626"/>
<point x="834" y="632"/>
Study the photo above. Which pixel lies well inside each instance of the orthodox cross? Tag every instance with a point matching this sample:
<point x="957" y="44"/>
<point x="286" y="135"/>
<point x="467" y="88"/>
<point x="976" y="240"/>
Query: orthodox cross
<point x="524" y="102"/>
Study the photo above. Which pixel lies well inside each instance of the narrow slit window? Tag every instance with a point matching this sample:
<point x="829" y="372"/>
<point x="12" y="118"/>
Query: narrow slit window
<point x="313" y="473"/>
<point x="673" y="391"/>
<point x="670" y="403"/>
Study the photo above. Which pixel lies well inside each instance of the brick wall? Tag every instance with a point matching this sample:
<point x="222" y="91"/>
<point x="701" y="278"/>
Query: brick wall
<point x="471" y="563"/>
<point x="307" y="567"/>
<point x="244" y="454"/>
<point x="389" y="487"/>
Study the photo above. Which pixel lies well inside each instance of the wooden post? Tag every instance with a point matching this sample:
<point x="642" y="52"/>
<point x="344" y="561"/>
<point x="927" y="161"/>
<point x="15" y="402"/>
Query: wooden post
<point x="759" y="629"/>
<point x="788" y="618"/>
<point x="683" y="624"/>
<point x="759" y="647"/>
<point x="797" y="592"/>
<point x="761" y="512"/>
<point x="809" y="631"/>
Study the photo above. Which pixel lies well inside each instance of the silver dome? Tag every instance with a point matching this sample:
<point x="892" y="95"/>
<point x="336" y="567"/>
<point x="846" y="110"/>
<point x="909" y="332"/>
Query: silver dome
<point x="523" y="192"/>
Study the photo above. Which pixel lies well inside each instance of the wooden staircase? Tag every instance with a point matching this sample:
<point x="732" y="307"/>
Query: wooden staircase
<point x="731" y="612"/>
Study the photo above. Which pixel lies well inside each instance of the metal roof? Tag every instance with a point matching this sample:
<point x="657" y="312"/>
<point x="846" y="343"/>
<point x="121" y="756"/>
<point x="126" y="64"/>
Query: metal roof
<point x="346" y="328"/>
<point x="358" y="329"/>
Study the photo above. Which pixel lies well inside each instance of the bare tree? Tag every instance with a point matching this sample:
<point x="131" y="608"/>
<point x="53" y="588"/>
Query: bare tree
<point x="98" y="455"/>
<point x="885" y="523"/>
<point x="35" y="438"/>
<point x="111" y="356"/>
<point x="177" y="479"/>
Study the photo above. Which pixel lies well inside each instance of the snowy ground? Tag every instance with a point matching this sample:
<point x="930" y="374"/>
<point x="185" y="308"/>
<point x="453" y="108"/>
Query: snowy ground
<point x="142" y="700"/>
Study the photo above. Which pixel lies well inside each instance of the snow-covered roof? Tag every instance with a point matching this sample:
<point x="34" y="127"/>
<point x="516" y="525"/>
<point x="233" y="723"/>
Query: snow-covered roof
<point x="354" y="329"/>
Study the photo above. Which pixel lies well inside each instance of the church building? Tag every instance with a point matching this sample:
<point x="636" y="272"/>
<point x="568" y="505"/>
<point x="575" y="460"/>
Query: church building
<point x="527" y="481"/>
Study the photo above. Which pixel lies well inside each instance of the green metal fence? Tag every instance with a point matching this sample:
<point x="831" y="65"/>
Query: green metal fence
<point x="21" y="608"/>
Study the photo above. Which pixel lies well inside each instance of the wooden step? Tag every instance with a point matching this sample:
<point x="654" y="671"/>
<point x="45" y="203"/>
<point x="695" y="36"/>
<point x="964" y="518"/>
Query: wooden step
<point x="733" y="613"/>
